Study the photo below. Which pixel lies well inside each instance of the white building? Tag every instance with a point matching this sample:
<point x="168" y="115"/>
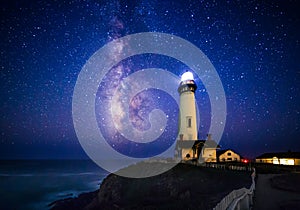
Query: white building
<point x="209" y="150"/>
<point x="188" y="130"/>
<point x="228" y="156"/>
<point x="282" y="158"/>
<point x="188" y="146"/>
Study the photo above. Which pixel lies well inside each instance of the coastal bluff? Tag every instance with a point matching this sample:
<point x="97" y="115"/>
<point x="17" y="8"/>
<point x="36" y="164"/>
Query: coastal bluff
<point x="183" y="187"/>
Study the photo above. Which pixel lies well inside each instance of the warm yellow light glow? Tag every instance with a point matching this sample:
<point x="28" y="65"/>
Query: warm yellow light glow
<point x="285" y="161"/>
<point x="275" y="160"/>
<point x="187" y="76"/>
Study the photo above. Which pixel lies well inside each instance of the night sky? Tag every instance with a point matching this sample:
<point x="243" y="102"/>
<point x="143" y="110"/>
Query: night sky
<point x="253" y="45"/>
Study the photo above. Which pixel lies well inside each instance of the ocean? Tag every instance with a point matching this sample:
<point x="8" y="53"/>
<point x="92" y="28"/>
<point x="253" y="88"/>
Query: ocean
<point x="34" y="184"/>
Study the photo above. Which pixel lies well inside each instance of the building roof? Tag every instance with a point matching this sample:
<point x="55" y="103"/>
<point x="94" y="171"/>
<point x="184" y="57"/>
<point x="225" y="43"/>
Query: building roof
<point x="211" y="143"/>
<point x="197" y="143"/>
<point x="188" y="143"/>
<point x="220" y="152"/>
<point x="280" y="155"/>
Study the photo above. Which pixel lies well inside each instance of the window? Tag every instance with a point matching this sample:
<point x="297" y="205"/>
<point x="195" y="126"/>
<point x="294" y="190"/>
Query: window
<point x="189" y="122"/>
<point x="275" y="160"/>
<point x="230" y="159"/>
<point x="229" y="153"/>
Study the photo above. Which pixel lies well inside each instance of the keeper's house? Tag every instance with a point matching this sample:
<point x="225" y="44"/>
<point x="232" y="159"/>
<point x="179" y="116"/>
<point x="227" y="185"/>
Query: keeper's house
<point x="228" y="156"/>
<point x="282" y="158"/>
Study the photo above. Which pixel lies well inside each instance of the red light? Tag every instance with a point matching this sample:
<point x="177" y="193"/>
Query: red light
<point x="245" y="161"/>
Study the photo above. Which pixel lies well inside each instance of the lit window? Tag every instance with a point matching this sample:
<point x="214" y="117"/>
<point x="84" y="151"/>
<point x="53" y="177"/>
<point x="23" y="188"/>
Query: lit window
<point x="285" y="161"/>
<point x="291" y="162"/>
<point x="275" y="160"/>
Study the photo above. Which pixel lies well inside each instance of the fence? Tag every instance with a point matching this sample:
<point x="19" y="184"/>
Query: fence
<point x="229" y="166"/>
<point x="241" y="199"/>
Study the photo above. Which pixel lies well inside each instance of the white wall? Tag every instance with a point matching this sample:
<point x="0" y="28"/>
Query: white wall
<point x="188" y="110"/>
<point x="229" y="156"/>
<point x="209" y="154"/>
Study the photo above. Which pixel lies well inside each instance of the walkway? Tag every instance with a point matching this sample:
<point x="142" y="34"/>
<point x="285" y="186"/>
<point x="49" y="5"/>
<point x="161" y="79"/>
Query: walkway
<point x="267" y="197"/>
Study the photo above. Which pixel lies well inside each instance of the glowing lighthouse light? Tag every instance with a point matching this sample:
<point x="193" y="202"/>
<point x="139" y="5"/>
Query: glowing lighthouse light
<point x="187" y="76"/>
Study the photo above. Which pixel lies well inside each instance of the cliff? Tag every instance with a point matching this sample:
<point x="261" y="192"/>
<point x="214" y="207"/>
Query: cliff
<point x="182" y="187"/>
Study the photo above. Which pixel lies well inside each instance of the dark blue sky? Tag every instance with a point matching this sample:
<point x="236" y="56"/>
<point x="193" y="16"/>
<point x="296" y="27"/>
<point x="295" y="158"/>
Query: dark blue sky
<point x="254" y="46"/>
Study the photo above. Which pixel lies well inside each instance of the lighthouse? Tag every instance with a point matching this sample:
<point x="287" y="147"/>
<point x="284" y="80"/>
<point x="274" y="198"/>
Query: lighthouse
<point x="188" y="132"/>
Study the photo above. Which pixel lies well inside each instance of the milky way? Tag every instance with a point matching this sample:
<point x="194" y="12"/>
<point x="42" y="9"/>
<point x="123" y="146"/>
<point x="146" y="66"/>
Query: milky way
<point x="253" y="45"/>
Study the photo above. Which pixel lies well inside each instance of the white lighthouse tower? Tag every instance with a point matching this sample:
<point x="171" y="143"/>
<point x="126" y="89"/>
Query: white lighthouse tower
<point x="187" y="119"/>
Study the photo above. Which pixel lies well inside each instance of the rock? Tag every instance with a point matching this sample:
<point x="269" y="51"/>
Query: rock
<point x="174" y="189"/>
<point x="182" y="187"/>
<point x="74" y="203"/>
<point x="185" y="195"/>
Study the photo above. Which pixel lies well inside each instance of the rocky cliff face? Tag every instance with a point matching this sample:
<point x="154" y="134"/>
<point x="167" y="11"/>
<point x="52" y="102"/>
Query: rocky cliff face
<point x="182" y="187"/>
